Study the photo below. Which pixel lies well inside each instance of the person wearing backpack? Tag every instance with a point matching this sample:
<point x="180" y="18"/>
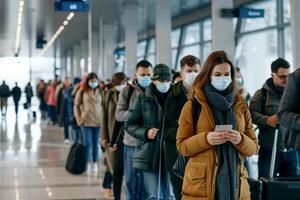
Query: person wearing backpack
<point x="263" y="107"/>
<point x="189" y="69"/>
<point x="115" y="155"/>
<point x="215" y="168"/>
<point x="88" y="114"/>
<point x="4" y="94"/>
<point x="133" y="176"/>
<point x="148" y="121"/>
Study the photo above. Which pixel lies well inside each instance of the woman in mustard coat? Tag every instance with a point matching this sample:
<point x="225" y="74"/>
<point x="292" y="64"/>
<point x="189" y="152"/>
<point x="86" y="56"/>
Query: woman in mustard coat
<point x="215" y="170"/>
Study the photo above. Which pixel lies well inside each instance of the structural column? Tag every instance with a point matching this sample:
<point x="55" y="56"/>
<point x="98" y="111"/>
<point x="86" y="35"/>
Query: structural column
<point x="131" y="35"/>
<point x="101" y="48"/>
<point x="63" y="65"/>
<point x="76" y="61"/>
<point x="84" y="55"/>
<point x="163" y="32"/>
<point x="70" y="63"/>
<point x="222" y="28"/>
<point x="109" y="47"/>
<point x="93" y="41"/>
<point x="295" y="30"/>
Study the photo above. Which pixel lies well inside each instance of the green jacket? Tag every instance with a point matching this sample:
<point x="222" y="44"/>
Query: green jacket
<point x="147" y="113"/>
<point x="260" y="113"/>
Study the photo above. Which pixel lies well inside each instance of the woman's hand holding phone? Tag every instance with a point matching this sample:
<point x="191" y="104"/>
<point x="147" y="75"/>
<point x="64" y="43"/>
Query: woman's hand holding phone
<point x="234" y="137"/>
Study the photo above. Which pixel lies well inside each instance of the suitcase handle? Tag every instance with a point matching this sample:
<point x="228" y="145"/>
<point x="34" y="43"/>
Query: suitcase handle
<point x="274" y="150"/>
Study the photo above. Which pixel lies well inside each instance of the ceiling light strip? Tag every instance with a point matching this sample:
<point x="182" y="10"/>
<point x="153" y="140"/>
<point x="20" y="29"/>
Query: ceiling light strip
<point x="19" y="27"/>
<point x="57" y="33"/>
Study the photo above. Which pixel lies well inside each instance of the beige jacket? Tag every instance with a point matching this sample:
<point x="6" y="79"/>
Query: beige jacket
<point x="88" y="108"/>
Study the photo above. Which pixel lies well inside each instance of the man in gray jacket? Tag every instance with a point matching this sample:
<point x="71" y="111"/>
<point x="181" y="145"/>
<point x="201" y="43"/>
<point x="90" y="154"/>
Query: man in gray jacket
<point x="133" y="177"/>
<point x="263" y="107"/>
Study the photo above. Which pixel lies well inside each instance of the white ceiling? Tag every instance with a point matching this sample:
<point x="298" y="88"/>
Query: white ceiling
<point x="40" y="18"/>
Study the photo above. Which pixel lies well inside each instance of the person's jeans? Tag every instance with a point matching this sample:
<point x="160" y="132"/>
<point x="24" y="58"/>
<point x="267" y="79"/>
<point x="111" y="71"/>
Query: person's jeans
<point x="16" y="106"/>
<point x="28" y="101"/>
<point x="76" y="134"/>
<point x="118" y="171"/>
<point x="151" y="185"/>
<point x="52" y="113"/>
<point x="66" y="129"/>
<point x="3" y="105"/>
<point x="91" y="142"/>
<point x="177" y="185"/>
<point x="264" y="162"/>
<point x="135" y="189"/>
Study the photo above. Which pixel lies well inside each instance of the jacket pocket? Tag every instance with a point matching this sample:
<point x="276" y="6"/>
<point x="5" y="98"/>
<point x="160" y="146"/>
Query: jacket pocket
<point x="244" y="185"/>
<point x="194" y="181"/>
<point x="143" y="156"/>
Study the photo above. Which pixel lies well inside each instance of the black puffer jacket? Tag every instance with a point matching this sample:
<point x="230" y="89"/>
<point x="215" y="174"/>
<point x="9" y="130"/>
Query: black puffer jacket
<point x="148" y="113"/>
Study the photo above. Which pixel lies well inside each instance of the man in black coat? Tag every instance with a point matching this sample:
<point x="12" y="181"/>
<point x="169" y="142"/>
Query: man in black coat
<point x="4" y="94"/>
<point x="16" y="93"/>
<point x="189" y="69"/>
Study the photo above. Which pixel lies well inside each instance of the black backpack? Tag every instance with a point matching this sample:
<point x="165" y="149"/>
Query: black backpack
<point x="76" y="161"/>
<point x="181" y="162"/>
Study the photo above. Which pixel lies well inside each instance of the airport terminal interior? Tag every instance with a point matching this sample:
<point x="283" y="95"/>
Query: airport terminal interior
<point x="44" y="41"/>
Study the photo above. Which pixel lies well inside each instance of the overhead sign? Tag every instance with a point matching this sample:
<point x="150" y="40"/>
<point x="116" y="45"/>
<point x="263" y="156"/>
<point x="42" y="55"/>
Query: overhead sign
<point x="243" y="13"/>
<point x="251" y="13"/>
<point x="72" y="5"/>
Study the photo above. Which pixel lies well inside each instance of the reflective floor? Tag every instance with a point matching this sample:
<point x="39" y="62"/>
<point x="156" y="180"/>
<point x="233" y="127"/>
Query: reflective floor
<point x="32" y="159"/>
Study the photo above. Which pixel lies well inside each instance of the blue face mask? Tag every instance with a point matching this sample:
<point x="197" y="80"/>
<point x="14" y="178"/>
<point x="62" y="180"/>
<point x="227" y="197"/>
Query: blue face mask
<point x="163" y="87"/>
<point x="93" y="85"/>
<point x="144" y="81"/>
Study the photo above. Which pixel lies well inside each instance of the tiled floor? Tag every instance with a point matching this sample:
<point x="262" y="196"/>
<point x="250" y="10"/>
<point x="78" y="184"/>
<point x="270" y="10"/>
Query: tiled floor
<point x="32" y="159"/>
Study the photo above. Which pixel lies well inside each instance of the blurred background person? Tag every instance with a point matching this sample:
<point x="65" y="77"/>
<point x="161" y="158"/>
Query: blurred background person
<point x="16" y="93"/>
<point x="29" y="94"/>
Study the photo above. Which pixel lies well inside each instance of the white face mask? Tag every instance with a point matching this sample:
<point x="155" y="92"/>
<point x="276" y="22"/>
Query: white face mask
<point x="189" y="78"/>
<point x="119" y="88"/>
<point x="221" y="83"/>
<point x="163" y="87"/>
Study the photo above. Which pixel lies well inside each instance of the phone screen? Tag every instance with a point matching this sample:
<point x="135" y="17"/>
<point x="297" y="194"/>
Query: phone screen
<point x="220" y="128"/>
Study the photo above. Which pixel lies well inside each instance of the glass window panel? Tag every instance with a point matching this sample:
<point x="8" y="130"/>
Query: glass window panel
<point x="192" y="35"/>
<point x="288" y="45"/>
<point x="141" y="47"/>
<point x="287" y="11"/>
<point x="207" y="30"/>
<point x="253" y="57"/>
<point x="140" y="58"/>
<point x="206" y="51"/>
<point x="151" y="59"/>
<point x="190" y="50"/>
<point x="151" y="48"/>
<point x="175" y="38"/>
<point x="174" y="54"/>
<point x="259" y="23"/>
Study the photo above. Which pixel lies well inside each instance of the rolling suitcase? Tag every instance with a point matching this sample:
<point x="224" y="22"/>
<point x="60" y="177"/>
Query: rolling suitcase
<point x="282" y="187"/>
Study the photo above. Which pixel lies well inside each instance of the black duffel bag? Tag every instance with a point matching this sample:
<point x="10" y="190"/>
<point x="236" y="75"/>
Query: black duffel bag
<point x="76" y="161"/>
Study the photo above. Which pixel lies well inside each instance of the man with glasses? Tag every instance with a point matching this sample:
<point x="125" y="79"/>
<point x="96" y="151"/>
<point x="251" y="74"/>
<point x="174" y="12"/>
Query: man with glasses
<point x="263" y="107"/>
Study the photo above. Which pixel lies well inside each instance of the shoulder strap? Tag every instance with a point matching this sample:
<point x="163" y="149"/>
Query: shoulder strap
<point x="263" y="99"/>
<point x="196" y="110"/>
<point x="130" y="92"/>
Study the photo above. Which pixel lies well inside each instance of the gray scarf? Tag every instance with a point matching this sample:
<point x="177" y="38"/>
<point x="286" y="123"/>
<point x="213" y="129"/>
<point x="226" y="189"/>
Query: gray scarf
<point x="227" y="179"/>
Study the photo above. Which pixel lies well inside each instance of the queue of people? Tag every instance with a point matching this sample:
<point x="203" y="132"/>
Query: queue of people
<point x="200" y="113"/>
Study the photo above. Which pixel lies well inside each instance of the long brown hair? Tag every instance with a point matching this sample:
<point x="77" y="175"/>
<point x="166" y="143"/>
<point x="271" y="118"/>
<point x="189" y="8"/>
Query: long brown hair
<point x="215" y="58"/>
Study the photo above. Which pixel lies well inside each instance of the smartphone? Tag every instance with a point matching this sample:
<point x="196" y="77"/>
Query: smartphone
<point x="221" y="128"/>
